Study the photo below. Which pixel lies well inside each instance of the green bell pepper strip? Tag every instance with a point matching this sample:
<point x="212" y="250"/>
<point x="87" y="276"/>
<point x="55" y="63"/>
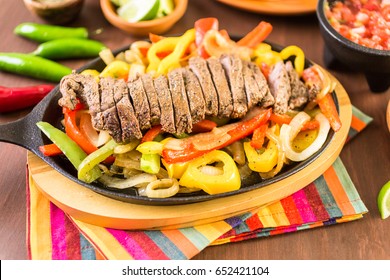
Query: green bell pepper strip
<point x="150" y="163"/>
<point x="33" y="66"/>
<point x="69" y="48"/>
<point x="93" y="159"/>
<point x="43" y="32"/>
<point x="69" y="148"/>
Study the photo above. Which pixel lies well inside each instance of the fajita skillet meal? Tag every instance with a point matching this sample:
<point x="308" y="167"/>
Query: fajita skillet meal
<point x="198" y="112"/>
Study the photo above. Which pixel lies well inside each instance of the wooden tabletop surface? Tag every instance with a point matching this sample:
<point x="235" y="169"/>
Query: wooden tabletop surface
<point x="367" y="158"/>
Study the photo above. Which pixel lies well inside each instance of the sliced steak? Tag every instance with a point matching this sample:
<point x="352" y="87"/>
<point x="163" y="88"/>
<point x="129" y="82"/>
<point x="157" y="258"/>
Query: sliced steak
<point x="167" y="118"/>
<point x="279" y="85"/>
<point x="126" y="113"/>
<point x="253" y="93"/>
<point x="109" y="112"/>
<point x="199" y="67"/>
<point x="264" y="92"/>
<point x="151" y="94"/>
<point x="299" y="93"/>
<point x="140" y="103"/>
<point x="194" y="95"/>
<point x="181" y="108"/>
<point x="225" y="100"/>
<point x="232" y="65"/>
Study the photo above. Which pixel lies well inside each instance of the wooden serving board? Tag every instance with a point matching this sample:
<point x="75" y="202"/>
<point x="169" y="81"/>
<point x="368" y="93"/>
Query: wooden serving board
<point x="90" y="207"/>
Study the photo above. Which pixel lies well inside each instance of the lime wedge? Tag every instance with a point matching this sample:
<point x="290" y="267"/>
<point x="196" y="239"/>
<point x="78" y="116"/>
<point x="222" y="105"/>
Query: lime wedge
<point x="384" y="201"/>
<point x="166" y="7"/>
<point x="139" y="10"/>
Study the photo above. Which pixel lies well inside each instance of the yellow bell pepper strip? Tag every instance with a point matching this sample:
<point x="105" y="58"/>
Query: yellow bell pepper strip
<point x="164" y="45"/>
<point x="263" y="162"/>
<point x="93" y="159"/>
<point x="172" y="61"/>
<point x="189" y="151"/>
<point x="116" y="69"/>
<point x="150" y="147"/>
<point x="228" y="181"/>
<point x="299" y="61"/>
<point x="175" y="170"/>
<point x="68" y="147"/>
<point x="265" y="55"/>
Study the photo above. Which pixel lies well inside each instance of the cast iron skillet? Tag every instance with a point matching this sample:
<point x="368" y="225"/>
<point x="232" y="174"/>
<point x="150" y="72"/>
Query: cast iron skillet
<point x="25" y="133"/>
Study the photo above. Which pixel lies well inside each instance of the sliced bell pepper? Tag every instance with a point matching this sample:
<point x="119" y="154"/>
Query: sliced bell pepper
<point x="203" y="126"/>
<point x="152" y="133"/>
<point x="258" y="136"/>
<point x="299" y="61"/>
<point x="286" y="119"/>
<point x="93" y="159"/>
<point x="117" y="69"/>
<point x="69" y="148"/>
<point x="150" y="163"/>
<point x="201" y="27"/>
<point x="328" y="108"/>
<point x="50" y="150"/>
<point x="241" y="130"/>
<point x="167" y="44"/>
<point x="229" y="180"/>
<point x="175" y="170"/>
<point x="256" y="36"/>
<point x="263" y="162"/>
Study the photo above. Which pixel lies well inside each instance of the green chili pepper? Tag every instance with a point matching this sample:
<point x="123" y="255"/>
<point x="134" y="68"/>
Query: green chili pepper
<point x="93" y="159"/>
<point x="33" y="66"/>
<point x="69" y="148"/>
<point x="43" y="32"/>
<point x="69" y="48"/>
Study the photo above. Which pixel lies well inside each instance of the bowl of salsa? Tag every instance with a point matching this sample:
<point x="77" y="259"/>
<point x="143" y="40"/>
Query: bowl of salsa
<point x="357" y="34"/>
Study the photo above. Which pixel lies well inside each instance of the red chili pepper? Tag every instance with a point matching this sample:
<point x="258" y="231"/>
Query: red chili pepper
<point x="244" y="129"/>
<point x="201" y="27"/>
<point x="12" y="99"/>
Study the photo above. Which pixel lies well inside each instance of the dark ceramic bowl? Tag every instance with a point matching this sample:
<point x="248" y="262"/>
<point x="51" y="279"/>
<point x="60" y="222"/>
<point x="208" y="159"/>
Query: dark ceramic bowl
<point x="375" y="64"/>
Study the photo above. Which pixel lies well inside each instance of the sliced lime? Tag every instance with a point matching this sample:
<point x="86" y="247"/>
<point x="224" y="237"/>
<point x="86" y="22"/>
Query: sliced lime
<point x="166" y="7"/>
<point x="139" y="10"/>
<point x="384" y="201"/>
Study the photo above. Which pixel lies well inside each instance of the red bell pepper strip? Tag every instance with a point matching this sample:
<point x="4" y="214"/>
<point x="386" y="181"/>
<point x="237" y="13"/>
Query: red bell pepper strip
<point x="12" y="99"/>
<point x="201" y="27"/>
<point x="259" y="136"/>
<point x="285" y="119"/>
<point x="256" y="36"/>
<point x="154" y="38"/>
<point x="328" y="108"/>
<point x="50" y="150"/>
<point x="244" y="129"/>
<point x="203" y="126"/>
<point x="152" y="133"/>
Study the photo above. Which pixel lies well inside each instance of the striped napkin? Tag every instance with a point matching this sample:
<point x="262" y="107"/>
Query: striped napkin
<point x="330" y="199"/>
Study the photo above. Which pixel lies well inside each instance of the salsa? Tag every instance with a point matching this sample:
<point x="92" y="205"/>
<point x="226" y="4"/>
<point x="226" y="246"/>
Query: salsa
<point x="365" y="22"/>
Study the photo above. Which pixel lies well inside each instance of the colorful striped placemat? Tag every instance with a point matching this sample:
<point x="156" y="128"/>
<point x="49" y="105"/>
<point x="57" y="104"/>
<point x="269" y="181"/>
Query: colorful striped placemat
<point x="330" y="199"/>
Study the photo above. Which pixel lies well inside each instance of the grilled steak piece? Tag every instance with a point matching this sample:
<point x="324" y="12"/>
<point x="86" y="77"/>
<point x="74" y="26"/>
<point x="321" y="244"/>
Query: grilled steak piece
<point x="279" y="85"/>
<point x="181" y="108"/>
<point x="199" y="67"/>
<point x="128" y="120"/>
<point x="253" y="94"/>
<point x="232" y="65"/>
<point x="109" y="112"/>
<point x="194" y="95"/>
<point x="147" y="81"/>
<point x="264" y="92"/>
<point x="299" y="92"/>
<point x="221" y="85"/>
<point x="140" y="103"/>
<point x="167" y="118"/>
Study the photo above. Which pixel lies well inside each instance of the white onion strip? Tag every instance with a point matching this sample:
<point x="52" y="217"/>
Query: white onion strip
<point x="162" y="188"/>
<point x="118" y="183"/>
<point x="289" y="132"/>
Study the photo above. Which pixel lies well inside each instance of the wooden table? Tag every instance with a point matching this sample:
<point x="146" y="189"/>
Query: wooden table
<point x="367" y="158"/>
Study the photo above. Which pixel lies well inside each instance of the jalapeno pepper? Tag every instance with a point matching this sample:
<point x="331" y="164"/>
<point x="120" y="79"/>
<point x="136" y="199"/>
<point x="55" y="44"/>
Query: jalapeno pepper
<point x="33" y="66"/>
<point x="69" y="48"/>
<point x="43" y="32"/>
